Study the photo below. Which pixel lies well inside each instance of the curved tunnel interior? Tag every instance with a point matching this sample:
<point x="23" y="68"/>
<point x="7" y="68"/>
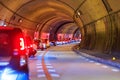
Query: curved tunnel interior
<point x="97" y="21"/>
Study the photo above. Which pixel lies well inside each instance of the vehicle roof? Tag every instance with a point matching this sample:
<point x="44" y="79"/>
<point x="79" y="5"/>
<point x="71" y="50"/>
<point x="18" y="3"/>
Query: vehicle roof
<point x="6" y="28"/>
<point x="9" y="28"/>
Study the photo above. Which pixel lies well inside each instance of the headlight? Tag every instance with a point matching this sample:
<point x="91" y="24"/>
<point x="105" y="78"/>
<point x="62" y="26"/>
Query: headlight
<point x="9" y="74"/>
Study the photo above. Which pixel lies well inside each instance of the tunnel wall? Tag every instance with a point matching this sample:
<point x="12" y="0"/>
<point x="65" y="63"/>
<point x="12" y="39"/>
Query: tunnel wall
<point x="103" y="35"/>
<point x="9" y="17"/>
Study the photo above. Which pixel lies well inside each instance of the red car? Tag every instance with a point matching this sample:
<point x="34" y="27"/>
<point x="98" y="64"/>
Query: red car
<point x="29" y="46"/>
<point x="12" y="51"/>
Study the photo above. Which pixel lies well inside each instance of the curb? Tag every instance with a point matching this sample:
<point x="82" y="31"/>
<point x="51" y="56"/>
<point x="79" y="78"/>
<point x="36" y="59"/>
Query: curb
<point x="97" y="59"/>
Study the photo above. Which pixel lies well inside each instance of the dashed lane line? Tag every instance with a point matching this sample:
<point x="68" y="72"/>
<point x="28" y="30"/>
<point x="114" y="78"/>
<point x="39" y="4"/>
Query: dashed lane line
<point x="115" y="70"/>
<point x="97" y="63"/>
<point x="91" y="61"/>
<point x="41" y="70"/>
<point x="47" y="64"/>
<point x="49" y="67"/>
<point x="51" y="70"/>
<point x="104" y="66"/>
<point x="48" y="76"/>
<point x="55" y="75"/>
<point x="39" y="66"/>
<point x="41" y="75"/>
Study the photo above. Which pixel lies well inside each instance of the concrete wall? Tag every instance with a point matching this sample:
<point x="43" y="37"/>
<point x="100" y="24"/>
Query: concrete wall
<point x="103" y="35"/>
<point x="99" y="24"/>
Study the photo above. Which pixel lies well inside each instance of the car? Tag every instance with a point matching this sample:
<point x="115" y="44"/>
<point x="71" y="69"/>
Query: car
<point x="30" y="46"/>
<point x="37" y="42"/>
<point x="13" y="55"/>
<point x="40" y="45"/>
<point x="31" y="51"/>
<point x="52" y="43"/>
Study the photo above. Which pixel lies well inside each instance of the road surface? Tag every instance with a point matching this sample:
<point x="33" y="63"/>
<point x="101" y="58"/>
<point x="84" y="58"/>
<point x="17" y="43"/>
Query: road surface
<point x="61" y="63"/>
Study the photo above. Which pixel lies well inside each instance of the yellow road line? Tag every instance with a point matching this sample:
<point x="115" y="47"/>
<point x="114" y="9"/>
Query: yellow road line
<point x="48" y="76"/>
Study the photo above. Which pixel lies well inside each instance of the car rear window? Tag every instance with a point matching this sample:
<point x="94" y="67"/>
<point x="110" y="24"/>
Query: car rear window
<point x="5" y="44"/>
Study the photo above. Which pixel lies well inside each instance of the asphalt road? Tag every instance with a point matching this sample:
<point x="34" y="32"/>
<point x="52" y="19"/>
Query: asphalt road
<point x="61" y="63"/>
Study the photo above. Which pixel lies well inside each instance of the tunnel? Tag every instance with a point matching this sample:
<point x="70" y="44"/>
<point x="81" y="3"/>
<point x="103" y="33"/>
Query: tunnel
<point x="98" y="21"/>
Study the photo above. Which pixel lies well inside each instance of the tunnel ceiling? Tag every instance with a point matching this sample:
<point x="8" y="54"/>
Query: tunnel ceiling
<point x="39" y="12"/>
<point x="45" y="12"/>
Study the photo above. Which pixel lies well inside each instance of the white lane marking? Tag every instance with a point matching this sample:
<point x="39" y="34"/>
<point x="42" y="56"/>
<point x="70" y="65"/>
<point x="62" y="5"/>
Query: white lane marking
<point x="41" y="75"/>
<point x="105" y="66"/>
<point x="51" y="70"/>
<point x="40" y="51"/>
<point x="39" y="67"/>
<point x="115" y="70"/>
<point x="41" y="70"/>
<point x="91" y="61"/>
<point x="97" y="63"/>
<point x="49" y="66"/>
<point x="4" y="63"/>
<point x="55" y="75"/>
<point x="38" y="64"/>
<point x="41" y="54"/>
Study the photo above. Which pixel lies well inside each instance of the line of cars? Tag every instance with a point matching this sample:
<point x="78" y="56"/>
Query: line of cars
<point x="14" y="53"/>
<point x="30" y="46"/>
<point x="40" y="44"/>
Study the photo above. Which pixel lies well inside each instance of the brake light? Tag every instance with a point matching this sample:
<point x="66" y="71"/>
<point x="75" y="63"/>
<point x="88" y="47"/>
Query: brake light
<point x="19" y="44"/>
<point x="22" y="47"/>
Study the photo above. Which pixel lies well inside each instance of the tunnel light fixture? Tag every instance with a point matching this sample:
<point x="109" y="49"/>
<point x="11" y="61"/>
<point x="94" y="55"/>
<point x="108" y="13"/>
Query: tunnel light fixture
<point x="37" y="25"/>
<point x="20" y="20"/>
<point x="98" y="21"/>
<point x="79" y="13"/>
<point x="113" y="58"/>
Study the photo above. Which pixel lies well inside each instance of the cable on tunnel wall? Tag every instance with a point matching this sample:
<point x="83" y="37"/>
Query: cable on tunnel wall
<point x="17" y="13"/>
<point x="109" y="9"/>
<point x="62" y="25"/>
<point x="69" y="6"/>
<point x="66" y="4"/>
<point x="80" y="5"/>
<point x="75" y="12"/>
<point x="111" y="44"/>
<point x="76" y="30"/>
<point x="19" y="9"/>
<point x="40" y="28"/>
<point x="55" y="27"/>
<point x="99" y="19"/>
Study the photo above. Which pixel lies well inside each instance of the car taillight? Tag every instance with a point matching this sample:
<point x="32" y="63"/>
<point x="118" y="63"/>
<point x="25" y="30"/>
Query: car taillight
<point x="22" y="46"/>
<point x="19" y="45"/>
